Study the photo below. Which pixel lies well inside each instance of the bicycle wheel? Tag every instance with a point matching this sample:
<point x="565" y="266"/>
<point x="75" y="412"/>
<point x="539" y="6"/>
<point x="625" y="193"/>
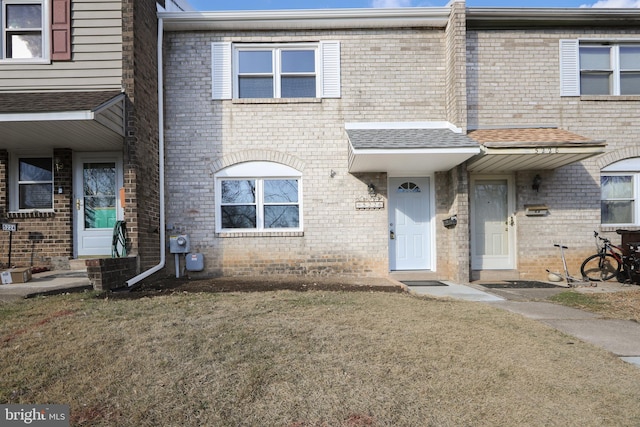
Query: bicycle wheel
<point x="600" y="267"/>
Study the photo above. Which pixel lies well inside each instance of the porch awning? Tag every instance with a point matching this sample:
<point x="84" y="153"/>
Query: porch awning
<point x="505" y="150"/>
<point x="407" y="147"/>
<point x="86" y="121"/>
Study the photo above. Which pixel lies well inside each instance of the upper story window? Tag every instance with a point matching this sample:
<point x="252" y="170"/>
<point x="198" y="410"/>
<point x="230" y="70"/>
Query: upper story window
<point x="23" y="29"/>
<point x="283" y="70"/>
<point x="599" y="68"/>
<point x="276" y="72"/>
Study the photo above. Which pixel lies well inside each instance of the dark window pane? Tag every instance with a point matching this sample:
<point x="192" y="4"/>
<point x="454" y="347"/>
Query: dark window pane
<point x="238" y="216"/>
<point x="281" y="191"/>
<point x="24" y="16"/>
<point x="255" y="87"/>
<point x="617" y="212"/>
<point x="255" y="61"/>
<point x="630" y="83"/>
<point x="630" y="57"/>
<point x="238" y="191"/>
<point x="298" y="61"/>
<point x="99" y="179"/>
<point x="281" y="216"/>
<point x="298" y="87"/>
<point x="36" y="196"/>
<point x="36" y="169"/>
<point x="595" y="83"/>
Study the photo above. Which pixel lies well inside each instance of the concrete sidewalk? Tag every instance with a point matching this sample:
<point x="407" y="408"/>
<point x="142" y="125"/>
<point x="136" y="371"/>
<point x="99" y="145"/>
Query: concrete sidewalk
<point x="52" y="282"/>
<point x="620" y="337"/>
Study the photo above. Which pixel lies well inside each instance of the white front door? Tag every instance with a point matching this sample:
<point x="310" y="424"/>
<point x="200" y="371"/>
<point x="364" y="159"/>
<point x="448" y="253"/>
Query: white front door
<point x="97" y="178"/>
<point x="409" y="224"/>
<point x="493" y="229"/>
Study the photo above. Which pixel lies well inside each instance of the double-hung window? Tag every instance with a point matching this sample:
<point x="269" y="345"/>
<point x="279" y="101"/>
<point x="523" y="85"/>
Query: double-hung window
<point x="276" y="72"/>
<point x="620" y="192"/>
<point x="34" y="183"/>
<point x="23" y="29"/>
<point x="281" y="70"/>
<point x="598" y="68"/>
<point x="258" y="196"/>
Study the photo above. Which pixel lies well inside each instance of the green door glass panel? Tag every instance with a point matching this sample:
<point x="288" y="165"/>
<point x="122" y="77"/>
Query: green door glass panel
<point x="99" y="182"/>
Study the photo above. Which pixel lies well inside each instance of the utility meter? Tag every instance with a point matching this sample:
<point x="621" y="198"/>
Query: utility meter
<point x="179" y="244"/>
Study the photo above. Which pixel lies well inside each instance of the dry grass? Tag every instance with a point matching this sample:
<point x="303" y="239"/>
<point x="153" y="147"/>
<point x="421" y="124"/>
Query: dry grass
<point x="305" y="359"/>
<point x="615" y="305"/>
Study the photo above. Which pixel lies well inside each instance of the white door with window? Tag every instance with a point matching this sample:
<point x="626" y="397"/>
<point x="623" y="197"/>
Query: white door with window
<point x="97" y="179"/>
<point x="492" y="223"/>
<point x="409" y="224"/>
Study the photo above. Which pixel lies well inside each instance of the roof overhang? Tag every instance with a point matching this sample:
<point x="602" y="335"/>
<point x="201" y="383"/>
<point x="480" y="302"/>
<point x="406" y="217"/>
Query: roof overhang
<point x="99" y="128"/>
<point x="553" y="149"/>
<point x="508" y="18"/>
<point x="311" y="19"/>
<point x="407" y="147"/>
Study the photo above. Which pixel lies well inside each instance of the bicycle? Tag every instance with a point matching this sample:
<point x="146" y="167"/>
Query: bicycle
<point x="608" y="263"/>
<point x="571" y="281"/>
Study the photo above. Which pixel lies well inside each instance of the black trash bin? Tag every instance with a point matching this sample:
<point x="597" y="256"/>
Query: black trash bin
<point x="630" y="241"/>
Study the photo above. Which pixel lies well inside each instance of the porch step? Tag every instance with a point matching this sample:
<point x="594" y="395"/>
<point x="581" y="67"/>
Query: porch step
<point x="492" y="275"/>
<point x="77" y="264"/>
<point x="402" y="276"/>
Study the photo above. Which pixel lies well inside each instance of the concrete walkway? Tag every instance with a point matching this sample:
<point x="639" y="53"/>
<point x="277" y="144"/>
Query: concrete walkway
<point x="620" y="337"/>
<point x="51" y="282"/>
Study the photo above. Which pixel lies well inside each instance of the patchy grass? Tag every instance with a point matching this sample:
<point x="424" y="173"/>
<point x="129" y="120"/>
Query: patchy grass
<point x="616" y="305"/>
<point x="305" y="359"/>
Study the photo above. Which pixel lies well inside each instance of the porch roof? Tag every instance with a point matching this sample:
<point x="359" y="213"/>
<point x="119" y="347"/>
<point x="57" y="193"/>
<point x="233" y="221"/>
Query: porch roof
<point x="87" y="121"/>
<point x="407" y="147"/>
<point x="512" y="149"/>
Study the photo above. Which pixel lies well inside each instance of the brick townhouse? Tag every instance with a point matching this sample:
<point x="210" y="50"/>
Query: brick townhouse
<point x="446" y="143"/>
<point x="79" y="126"/>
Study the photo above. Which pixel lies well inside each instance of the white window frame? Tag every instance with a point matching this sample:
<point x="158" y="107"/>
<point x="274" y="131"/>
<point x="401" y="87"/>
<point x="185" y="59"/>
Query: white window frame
<point x="571" y="69"/>
<point x="628" y="167"/>
<point x="45" y="30"/>
<point x="14" y="181"/>
<point x="328" y="78"/>
<point x="276" y="66"/>
<point x="259" y="172"/>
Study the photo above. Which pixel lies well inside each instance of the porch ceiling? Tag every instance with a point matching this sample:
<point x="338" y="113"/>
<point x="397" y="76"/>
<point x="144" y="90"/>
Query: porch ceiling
<point x="506" y="150"/>
<point x="83" y="121"/>
<point x="407" y="147"/>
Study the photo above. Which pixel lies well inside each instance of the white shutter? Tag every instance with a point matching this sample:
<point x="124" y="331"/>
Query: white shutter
<point x="330" y="74"/>
<point x="569" y="68"/>
<point x="221" y="72"/>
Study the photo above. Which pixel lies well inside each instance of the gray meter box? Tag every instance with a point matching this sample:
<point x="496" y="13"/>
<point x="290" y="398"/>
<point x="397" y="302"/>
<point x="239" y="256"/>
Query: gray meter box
<point x="195" y="262"/>
<point x="179" y="244"/>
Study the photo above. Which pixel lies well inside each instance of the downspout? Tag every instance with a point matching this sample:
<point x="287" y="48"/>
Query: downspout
<point x="161" y="264"/>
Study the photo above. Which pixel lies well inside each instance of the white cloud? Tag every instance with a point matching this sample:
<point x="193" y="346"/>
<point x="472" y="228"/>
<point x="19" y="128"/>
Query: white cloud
<point x="391" y="3"/>
<point x="630" y="4"/>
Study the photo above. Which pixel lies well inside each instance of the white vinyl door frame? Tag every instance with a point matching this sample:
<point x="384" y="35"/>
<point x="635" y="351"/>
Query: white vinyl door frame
<point x="100" y="238"/>
<point x="429" y="263"/>
<point x="505" y="261"/>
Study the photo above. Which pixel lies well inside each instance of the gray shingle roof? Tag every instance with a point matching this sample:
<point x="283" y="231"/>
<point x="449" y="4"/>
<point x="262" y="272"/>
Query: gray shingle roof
<point x="394" y="139"/>
<point x="53" y="101"/>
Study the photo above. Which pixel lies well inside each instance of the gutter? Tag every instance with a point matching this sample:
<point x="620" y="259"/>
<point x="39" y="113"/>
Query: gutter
<point x="163" y="250"/>
<point x="312" y="19"/>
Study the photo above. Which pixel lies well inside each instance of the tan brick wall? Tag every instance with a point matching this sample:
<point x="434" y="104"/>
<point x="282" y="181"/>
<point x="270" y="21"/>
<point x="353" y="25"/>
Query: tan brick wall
<point x="391" y="75"/>
<point x="513" y="80"/>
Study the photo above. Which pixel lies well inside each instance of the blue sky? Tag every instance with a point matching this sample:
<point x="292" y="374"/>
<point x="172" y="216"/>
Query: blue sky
<point x="323" y="4"/>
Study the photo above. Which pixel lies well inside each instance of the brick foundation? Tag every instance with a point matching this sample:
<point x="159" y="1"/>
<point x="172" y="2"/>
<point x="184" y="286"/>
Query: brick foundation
<point x="110" y="273"/>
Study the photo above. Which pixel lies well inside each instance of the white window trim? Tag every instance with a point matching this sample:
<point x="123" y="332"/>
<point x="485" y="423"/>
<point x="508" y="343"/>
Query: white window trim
<point x="628" y="167"/>
<point x="14" y="181"/>
<point x="276" y="58"/>
<point x="46" y="31"/>
<point x="570" y="70"/>
<point x="224" y="77"/>
<point x="258" y="171"/>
